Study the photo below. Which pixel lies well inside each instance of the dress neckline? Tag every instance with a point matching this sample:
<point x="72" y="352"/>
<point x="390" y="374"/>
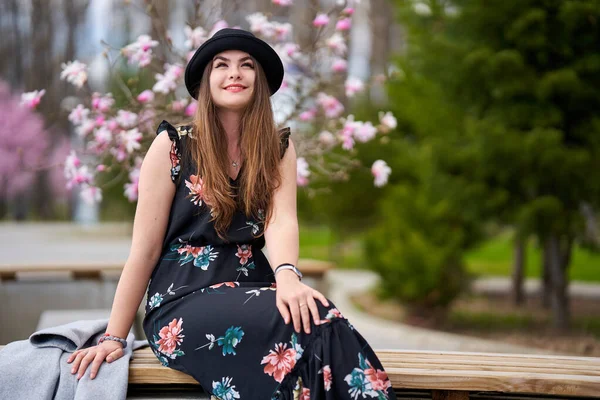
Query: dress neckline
<point x="238" y="174"/>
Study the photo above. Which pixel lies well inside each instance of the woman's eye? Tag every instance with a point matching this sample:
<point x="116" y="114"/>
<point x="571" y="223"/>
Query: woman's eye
<point x="248" y="64"/>
<point x="219" y="64"/>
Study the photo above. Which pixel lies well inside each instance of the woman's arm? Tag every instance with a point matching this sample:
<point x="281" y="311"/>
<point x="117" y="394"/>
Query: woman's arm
<point x="155" y="195"/>
<point x="282" y="240"/>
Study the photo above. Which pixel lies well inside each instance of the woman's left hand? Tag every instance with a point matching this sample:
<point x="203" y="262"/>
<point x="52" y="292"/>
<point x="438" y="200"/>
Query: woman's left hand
<point x="297" y="299"/>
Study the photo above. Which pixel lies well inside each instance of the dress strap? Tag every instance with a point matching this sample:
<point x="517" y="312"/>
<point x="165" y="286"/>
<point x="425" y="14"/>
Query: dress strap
<point x="175" y="134"/>
<point x="284" y="134"/>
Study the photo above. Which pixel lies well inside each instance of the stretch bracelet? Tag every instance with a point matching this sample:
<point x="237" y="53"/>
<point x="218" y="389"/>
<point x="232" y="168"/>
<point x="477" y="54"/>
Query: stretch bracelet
<point x="107" y="336"/>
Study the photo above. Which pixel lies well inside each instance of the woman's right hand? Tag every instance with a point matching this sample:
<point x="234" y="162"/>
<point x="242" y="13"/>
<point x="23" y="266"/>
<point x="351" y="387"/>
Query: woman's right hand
<point x="108" y="350"/>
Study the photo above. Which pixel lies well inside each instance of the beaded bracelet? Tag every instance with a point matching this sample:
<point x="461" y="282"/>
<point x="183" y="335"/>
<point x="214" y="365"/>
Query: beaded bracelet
<point x="107" y="336"/>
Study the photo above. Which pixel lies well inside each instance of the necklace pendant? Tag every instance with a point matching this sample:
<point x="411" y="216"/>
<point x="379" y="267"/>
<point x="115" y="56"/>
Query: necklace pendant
<point x="235" y="165"/>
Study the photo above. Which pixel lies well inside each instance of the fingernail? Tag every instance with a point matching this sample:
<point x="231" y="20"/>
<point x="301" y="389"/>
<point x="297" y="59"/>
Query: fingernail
<point x="109" y="359"/>
<point x="73" y="371"/>
<point x="92" y="376"/>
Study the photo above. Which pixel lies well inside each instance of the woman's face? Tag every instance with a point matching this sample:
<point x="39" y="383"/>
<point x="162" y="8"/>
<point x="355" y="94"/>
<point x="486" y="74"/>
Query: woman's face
<point x="232" y="79"/>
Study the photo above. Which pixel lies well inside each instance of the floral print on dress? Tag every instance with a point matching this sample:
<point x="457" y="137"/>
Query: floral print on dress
<point x="214" y="287"/>
<point x="326" y="371"/>
<point x="195" y="186"/>
<point x="244" y="253"/>
<point x="366" y="380"/>
<point x="167" y="340"/>
<point x="175" y="157"/>
<point x="201" y="256"/>
<point x="229" y="341"/>
<point x="224" y="390"/>
<point x="155" y="300"/>
<point x="256" y="292"/>
<point x="281" y="361"/>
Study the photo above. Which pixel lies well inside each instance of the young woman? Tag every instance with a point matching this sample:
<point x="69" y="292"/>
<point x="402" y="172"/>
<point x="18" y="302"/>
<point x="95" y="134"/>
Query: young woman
<point x="211" y="195"/>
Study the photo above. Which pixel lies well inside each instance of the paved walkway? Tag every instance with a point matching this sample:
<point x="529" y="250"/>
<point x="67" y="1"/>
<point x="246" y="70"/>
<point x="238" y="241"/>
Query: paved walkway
<point x="47" y="243"/>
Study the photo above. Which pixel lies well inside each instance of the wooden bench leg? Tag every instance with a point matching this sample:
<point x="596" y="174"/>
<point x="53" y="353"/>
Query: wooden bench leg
<point x="449" y="395"/>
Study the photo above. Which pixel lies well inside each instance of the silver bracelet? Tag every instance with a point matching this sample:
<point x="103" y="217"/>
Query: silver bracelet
<point x="290" y="267"/>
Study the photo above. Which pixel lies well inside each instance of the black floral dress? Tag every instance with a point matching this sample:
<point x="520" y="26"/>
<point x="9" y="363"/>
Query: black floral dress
<point x="211" y="310"/>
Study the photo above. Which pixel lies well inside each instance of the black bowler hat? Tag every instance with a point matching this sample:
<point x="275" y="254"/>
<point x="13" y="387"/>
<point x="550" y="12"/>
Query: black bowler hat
<point x="234" y="39"/>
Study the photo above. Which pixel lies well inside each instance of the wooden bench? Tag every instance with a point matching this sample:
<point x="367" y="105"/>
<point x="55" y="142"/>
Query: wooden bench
<point x="436" y="375"/>
<point x="311" y="268"/>
<point x="443" y="375"/>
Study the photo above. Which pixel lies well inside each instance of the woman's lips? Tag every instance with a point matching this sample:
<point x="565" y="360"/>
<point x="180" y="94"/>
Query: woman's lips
<point x="235" y="89"/>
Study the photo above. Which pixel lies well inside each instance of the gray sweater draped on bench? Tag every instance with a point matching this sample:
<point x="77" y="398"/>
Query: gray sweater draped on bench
<point x="37" y="368"/>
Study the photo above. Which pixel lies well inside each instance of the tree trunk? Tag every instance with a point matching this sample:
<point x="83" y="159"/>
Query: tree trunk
<point x="560" y="303"/>
<point x="546" y="288"/>
<point x="518" y="271"/>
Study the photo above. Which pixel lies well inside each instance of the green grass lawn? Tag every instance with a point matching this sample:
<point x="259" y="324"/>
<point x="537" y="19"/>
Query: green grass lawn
<point x="492" y="258"/>
<point x="495" y="258"/>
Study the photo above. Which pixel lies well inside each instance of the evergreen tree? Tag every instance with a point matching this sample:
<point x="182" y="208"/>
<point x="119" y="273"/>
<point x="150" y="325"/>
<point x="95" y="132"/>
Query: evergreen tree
<point x="517" y="111"/>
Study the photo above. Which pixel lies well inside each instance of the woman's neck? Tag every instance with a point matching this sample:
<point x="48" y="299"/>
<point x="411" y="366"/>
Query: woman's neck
<point x="231" y="123"/>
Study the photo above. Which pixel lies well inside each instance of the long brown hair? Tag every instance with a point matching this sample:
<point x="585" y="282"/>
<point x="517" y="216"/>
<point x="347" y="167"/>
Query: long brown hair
<point x="260" y="148"/>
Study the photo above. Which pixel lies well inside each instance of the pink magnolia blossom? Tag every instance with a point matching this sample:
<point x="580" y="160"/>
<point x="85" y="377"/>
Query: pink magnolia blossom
<point x="308" y="115"/>
<point x="190" y="110"/>
<point x="348" y="11"/>
<point x="102" y="103"/>
<point x="131" y="188"/>
<point x="291" y="49"/>
<point x="339" y="65"/>
<point x="147" y="96"/>
<point x="179" y="105"/>
<point x="281" y="31"/>
<point x="303" y="172"/>
<point x="195" y="37"/>
<point x="131" y="139"/>
<point x="218" y="26"/>
<point x="79" y="114"/>
<point x="126" y="119"/>
<point x="327" y="138"/>
<point x="321" y="20"/>
<point x="380" y="171"/>
<point x="32" y="99"/>
<point x="260" y="25"/>
<point x="283" y="3"/>
<point x="140" y="52"/>
<point x="166" y="82"/>
<point x="332" y="107"/>
<point x="101" y="168"/>
<point x="364" y="131"/>
<point x="353" y="86"/>
<point x="343" y="24"/>
<point x="337" y="44"/>
<point x="74" y="72"/>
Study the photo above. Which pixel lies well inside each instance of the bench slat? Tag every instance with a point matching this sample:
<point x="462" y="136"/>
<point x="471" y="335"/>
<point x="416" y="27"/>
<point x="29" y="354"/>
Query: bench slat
<point x="446" y="371"/>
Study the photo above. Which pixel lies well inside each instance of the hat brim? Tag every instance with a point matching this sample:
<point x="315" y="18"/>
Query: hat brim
<point x="260" y="50"/>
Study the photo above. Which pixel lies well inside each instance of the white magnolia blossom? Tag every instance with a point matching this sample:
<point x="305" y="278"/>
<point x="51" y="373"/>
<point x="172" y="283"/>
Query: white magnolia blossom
<point x="86" y="127"/>
<point x="74" y="72"/>
<point x="388" y="120"/>
<point x="303" y="172"/>
<point x="337" y="44"/>
<point x="380" y="171"/>
<point x="353" y="85"/>
<point x="131" y="139"/>
<point x="327" y="138"/>
<point x="91" y="194"/>
<point x="195" y="37"/>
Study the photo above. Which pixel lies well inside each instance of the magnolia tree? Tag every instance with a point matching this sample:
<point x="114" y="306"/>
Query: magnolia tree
<point x="310" y="100"/>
